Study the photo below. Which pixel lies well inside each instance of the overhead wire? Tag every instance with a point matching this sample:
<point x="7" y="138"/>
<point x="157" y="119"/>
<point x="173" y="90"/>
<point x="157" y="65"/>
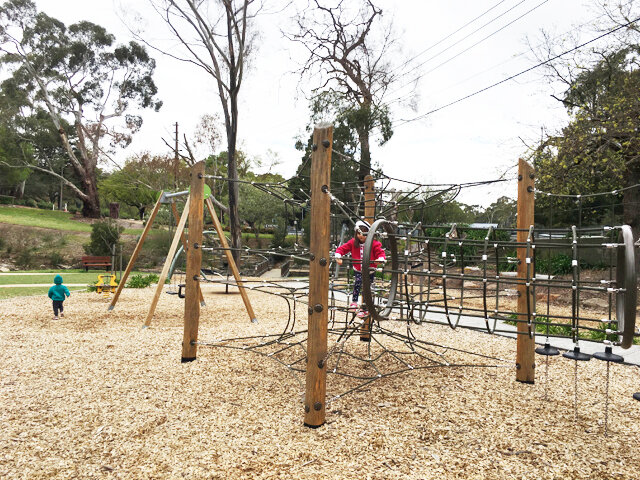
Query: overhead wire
<point x="511" y="77"/>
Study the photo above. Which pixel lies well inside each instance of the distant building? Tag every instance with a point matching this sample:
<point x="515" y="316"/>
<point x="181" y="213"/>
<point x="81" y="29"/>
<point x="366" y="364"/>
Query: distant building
<point x="483" y="225"/>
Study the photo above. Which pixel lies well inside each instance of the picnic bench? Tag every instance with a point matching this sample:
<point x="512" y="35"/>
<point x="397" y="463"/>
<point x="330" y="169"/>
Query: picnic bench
<point x="96" y="261"/>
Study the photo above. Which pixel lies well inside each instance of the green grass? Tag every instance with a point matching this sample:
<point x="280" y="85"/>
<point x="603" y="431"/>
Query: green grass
<point x="80" y="277"/>
<point x="31" y="291"/>
<point x="54" y="219"/>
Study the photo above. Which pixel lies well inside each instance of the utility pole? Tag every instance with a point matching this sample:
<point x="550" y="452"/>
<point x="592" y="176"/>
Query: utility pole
<point x="175" y="162"/>
<point x="61" y="186"/>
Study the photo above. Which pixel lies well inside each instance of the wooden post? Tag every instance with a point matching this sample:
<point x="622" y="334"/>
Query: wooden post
<point x="184" y="245"/>
<point x="369" y="216"/>
<point x="232" y="263"/>
<point x="525" y="353"/>
<point x="135" y="253"/>
<point x="316" y="387"/>
<point x="194" y="264"/>
<point x="167" y="263"/>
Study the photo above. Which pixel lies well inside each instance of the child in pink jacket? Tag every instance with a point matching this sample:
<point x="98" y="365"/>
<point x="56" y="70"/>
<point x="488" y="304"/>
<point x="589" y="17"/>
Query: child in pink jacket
<point x="355" y="247"/>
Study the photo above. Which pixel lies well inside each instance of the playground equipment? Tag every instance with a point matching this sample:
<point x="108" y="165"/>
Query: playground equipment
<point x="195" y="231"/>
<point x="106" y="284"/>
<point x="444" y="276"/>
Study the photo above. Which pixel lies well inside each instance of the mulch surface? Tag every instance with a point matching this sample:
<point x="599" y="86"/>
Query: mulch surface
<point x="93" y="395"/>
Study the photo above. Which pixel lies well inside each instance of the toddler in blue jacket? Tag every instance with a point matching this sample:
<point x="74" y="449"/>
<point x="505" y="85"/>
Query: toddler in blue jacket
<point x="58" y="293"/>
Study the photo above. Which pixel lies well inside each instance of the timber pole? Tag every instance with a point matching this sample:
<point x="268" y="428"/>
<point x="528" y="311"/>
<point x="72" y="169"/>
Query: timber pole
<point x="369" y="217"/>
<point x="136" y="251"/>
<point x="316" y="385"/>
<point x="194" y="264"/>
<point x="183" y="239"/>
<point x="525" y="344"/>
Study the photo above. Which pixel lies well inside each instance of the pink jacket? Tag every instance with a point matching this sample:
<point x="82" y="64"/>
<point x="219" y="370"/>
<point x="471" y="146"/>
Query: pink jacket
<point x="377" y="253"/>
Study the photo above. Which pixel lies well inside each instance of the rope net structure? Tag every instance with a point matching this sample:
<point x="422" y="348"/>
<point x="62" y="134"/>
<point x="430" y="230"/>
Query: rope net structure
<point x="458" y="276"/>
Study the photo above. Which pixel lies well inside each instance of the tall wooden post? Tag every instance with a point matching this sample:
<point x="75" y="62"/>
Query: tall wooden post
<point x="525" y="353"/>
<point x="194" y="264"/>
<point x="369" y="216"/>
<point x="316" y="387"/>
<point x="183" y="239"/>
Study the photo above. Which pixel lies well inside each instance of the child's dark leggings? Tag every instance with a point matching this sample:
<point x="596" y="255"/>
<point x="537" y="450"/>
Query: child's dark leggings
<point x="357" y="285"/>
<point x="57" y="305"/>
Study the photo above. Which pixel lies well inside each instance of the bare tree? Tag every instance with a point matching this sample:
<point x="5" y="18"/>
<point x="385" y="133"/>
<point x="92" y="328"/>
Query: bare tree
<point x="349" y="58"/>
<point x="217" y="37"/>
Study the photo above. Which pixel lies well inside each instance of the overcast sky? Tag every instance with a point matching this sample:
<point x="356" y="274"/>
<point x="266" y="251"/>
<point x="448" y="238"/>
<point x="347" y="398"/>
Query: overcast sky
<point x="473" y="140"/>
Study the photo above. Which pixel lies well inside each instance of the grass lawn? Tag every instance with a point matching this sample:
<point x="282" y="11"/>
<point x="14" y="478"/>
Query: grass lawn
<point x="31" y="291"/>
<point x="57" y="220"/>
<point x="28" y="278"/>
<point x="78" y="277"/>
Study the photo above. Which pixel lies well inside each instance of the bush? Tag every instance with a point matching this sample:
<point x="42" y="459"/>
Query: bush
<point x="30" y="202"/>
<point x="25" y="258"/>
<point x="559" y="264"/>
<point x="142" y="281"/>
<point x="45" y="205"/>
<point x="279" y="235"/>
<point x="6" y="200"/>
<point x="104" y="235"/>
<point x="56" y="259"/>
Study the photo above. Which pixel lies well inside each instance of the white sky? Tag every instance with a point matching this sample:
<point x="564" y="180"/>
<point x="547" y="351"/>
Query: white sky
<point x="476" y="139"/>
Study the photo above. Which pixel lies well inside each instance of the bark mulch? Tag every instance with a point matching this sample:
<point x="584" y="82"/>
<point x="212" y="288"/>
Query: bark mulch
<point x="93" y="395"/>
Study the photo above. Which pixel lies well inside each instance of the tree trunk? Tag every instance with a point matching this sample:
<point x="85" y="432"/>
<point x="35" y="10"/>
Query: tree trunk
<point x="631" y="200"/>
<point x="234" y="218"/>
<point x="91" y="207"/>
<point x="630" y="210"/>
<point x="365" y="155"/>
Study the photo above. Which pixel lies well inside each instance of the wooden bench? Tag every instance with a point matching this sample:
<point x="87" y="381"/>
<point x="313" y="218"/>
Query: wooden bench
<point x="95" y="261"/>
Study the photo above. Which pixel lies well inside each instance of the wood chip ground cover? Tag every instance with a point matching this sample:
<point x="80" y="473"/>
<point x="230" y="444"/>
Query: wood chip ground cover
<point x="93" y="395"/>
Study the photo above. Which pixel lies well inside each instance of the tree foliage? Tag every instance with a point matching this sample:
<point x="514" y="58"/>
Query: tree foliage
<point x="85" y="84"/>
<point x="599" y="149"/>
<point x="141" y="180"/>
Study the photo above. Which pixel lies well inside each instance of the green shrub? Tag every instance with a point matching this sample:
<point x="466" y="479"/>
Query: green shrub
<point x="45" y="205"/>
<point x="559" y="264"/>
<point x="279" y="235"/>
<point x="25" y="259"/>
<point x="104" y="235"/>
<point x="6" y="200"/>
<point x="30" y="202"/>
<point x="142" y="281"/>
<point x="56" y="259"/>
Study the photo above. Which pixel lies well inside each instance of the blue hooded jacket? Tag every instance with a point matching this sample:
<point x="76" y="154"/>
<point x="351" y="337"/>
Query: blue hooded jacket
<point x="58" y="291"/>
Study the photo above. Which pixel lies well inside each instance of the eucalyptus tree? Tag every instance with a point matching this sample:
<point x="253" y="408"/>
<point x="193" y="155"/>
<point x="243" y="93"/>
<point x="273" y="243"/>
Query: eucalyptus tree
<point x="218" y="37"/>
<point x="87" y="85"/>
<point x="349" y="59"/>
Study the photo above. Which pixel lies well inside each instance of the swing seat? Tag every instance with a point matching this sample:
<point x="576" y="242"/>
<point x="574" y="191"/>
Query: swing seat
<point x="547" y="350"/>
<point x="608" y="356"/>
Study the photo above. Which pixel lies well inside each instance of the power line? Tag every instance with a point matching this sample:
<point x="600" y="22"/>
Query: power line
<point x="420" y="117"/>
<point x="449" y="36"/>
<point x="422" y="75"/>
